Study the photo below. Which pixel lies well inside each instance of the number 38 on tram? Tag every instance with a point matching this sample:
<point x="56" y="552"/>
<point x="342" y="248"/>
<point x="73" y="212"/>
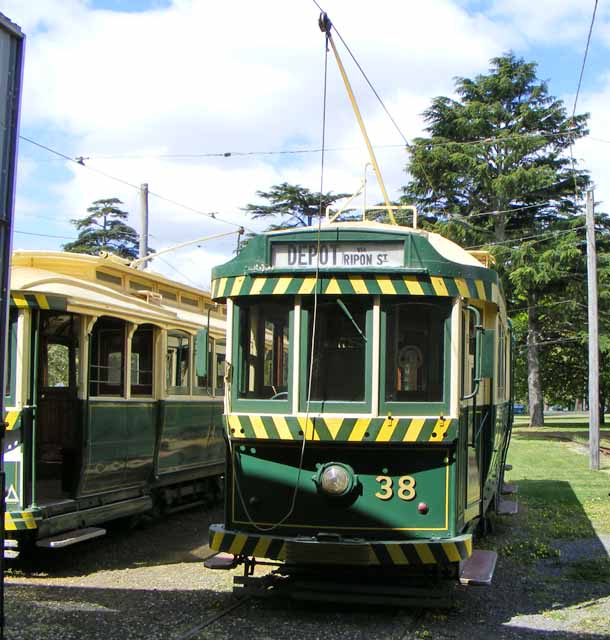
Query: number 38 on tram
<point x="368" y="400"/>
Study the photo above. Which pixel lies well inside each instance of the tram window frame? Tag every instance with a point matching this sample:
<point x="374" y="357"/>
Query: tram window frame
<point x="219" y="372"/>
<point x="10" y="385"/>
<point x="146" y="390"/>
<point x="330" y="405"/>
<point x="416" y="406"/>
<point x="205" y="387"/>
<point x="502" y="362"/>
<point x="178" y="390"/>
<point x="97" y="343"/>
<point x="241" y="316"/>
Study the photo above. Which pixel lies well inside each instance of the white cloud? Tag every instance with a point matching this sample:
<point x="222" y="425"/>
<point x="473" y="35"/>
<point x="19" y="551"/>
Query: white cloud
<point x="549" y="21"/>
<point x="201" y="77"/>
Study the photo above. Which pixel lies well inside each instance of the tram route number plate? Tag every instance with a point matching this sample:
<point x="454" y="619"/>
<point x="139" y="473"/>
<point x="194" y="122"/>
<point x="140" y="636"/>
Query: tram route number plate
<point x="299" y="255"/>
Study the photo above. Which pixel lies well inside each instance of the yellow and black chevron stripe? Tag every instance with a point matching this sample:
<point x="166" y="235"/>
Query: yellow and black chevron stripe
<point x="12" y="420"/>
<point x="394" y="284"/>
<point x="19" y="521"/>
<point x="278" y="427"/>
<point x="38" y="301"/>
<point x="413" y="552"/>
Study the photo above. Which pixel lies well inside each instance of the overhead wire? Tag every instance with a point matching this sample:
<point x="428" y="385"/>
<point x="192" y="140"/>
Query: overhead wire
<point x="273" y="152"/>
<point x="42" y="235"/>
<point x="80" y="162"/>
<point x="576" y="96"/>
<point x="546" y="234"/>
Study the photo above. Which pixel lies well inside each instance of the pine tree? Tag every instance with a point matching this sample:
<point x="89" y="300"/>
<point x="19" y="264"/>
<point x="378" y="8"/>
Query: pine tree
<point x="495" y="169"/>
<point x="105" y="229"/>
<point x="296" y="206"/>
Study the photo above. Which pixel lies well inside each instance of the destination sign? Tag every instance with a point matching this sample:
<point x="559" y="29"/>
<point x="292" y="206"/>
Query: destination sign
<point x="299" y="255"/>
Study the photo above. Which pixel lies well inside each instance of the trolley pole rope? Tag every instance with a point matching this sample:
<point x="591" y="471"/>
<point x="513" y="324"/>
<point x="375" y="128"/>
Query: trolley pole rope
<point x="326" y="26"/>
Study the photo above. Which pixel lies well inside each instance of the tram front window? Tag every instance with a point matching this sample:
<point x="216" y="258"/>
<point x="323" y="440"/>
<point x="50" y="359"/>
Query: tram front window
<point x="339" y="358"/>
<point x="415" y="348"/>
<point x="264" y="335"/>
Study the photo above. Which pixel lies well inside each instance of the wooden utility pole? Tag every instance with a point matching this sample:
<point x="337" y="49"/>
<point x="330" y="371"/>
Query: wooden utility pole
<point x="593" y="337"/>
<point x="144" y="224"/>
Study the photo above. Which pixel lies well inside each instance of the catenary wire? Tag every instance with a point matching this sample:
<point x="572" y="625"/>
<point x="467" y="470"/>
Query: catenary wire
<point x="546" y="234"/>
<point x="42" y="235"/>
<point x="212" y="216"/>
<point x="230" y="154"/>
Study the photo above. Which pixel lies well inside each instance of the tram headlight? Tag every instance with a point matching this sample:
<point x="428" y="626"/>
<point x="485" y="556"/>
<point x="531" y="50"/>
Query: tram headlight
<point x="335" y="479"/>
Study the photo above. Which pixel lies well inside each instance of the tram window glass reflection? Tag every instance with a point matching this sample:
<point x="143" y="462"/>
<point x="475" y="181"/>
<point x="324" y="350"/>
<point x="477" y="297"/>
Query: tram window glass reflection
<point x="107" y="357"/>
<point x="142" y="361"/>
<point x="11" y="355"/>
<point x="339" y="360"/>
<point x="501" y="360"/>
<point x="59" y="352"/>
<point x="263" y="340"/>
<point x="221" y="349"/>
<point x="202" y="383"/>
<point x="415" y="347"/>
<point x="177" y="362"/>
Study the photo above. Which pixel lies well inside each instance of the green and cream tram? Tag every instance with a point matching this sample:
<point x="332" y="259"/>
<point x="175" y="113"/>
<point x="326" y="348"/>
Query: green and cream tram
<point x="368" y="399"/>
<point x="113" y="396"/>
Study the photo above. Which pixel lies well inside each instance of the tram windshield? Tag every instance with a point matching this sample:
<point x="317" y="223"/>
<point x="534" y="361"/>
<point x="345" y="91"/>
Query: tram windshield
<point x="339" y="358"/>
<point x="263" y="340"/>
<point x="415" y="347"/>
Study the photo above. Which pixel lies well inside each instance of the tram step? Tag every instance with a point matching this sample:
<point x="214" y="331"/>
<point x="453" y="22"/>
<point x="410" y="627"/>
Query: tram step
<point x="220" y="561"/>
<point x="70" y="537"/>
<point x="509" y="488"/>
<point x="508" y="508"/>
<point x="11" y="544"/>
<point x="479" y="568"/>
<point x="10" y="554"/>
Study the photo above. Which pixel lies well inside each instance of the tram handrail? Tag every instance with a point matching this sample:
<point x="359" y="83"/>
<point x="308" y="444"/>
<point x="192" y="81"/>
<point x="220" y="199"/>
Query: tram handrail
<point x="479" y="330"/>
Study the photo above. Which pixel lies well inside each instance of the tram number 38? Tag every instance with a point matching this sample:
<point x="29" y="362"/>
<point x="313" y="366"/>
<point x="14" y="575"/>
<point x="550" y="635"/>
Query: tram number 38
<point x="406" y="488"/>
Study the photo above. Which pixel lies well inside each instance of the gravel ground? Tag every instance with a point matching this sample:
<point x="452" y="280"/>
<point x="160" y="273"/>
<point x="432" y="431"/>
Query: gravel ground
<point x="150" y="583"/>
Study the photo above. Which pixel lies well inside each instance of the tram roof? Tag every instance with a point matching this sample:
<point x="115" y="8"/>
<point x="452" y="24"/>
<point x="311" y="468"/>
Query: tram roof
<point x="101" y="285"/>
<point x="434" y="249"/>
<point x="447" y="248"/>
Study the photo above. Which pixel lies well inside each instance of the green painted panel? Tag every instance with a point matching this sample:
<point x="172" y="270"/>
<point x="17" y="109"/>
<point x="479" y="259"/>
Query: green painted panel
<point x="119" y="444"/>
<point x="267" y="475"/>
<point x="191" y="435"/>
<point x="14" y="499"/>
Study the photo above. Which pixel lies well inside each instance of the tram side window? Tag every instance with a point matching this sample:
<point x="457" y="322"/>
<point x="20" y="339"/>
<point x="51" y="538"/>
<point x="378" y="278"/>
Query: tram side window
<point x="501" y="360"/>
<point x="339" y="358"/>
<point x="202" y="381"/>
<point x="59" y="357"/>
<point x="107" y="358"/>
<point x="11" y="357"/>
<point x="415" y="360"/>
<point x="220" y="351"/>
<point x="263" y="346"/>
<point x="142" y="359"/>
<point x="177" y="363"/>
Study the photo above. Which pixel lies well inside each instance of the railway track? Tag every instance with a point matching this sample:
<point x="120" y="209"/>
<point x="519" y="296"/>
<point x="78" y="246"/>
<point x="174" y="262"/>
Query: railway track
<point x="197" y="629"/>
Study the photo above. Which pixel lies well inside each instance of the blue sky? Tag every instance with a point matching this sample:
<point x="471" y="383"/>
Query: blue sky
<point x="126" y="84"/>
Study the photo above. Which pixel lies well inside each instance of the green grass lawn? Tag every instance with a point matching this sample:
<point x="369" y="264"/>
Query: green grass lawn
<point x="559" y="496"/>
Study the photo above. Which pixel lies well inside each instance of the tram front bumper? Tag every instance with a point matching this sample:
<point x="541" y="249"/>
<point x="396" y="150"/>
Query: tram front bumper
<point x="443" y="551"/>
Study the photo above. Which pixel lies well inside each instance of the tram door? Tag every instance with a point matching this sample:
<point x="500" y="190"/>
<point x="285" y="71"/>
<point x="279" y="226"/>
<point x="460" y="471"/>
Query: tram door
<point x="469" y="410"/>
<point x="58" y="434"/>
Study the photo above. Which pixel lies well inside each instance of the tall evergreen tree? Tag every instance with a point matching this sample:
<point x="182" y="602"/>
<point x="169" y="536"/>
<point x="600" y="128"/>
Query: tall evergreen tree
<point x="495" y="169"/>
<point x="105" y="229"/>
<point x="294" y="205"/>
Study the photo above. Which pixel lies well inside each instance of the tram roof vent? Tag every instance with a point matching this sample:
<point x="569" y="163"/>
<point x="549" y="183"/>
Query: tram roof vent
<point x="152" y="297"/>
<point x="484" y="257"/>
